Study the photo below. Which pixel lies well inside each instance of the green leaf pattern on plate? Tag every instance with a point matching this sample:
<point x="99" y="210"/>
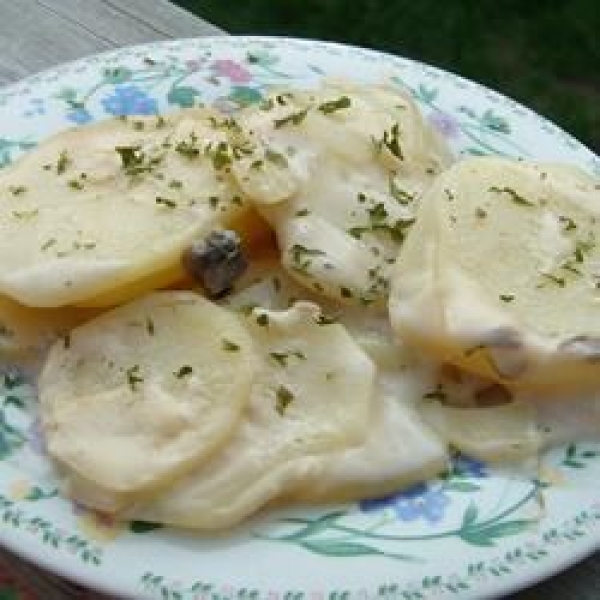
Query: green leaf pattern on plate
<point x="11" y="514"/>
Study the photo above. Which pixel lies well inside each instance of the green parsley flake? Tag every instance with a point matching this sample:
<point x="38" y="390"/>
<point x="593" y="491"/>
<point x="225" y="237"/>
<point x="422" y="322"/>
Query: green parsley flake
<point x="17" y="190"/>
<point x="183" y="371"/>
<point x="229" y="346"/>
<point x="449" y="194"/>
<point x="397" y="231"/>
<point x="582" y="247"/>
<point x="301" y="257"/>
<point x="262" y="319"/>
<point x="334" y="105"/>
<point x="166" y="202"/>
<point x="63" y="162"/>
<point x="133" y="161"/>
<point x="134" y="377"/>
<point x="377" y="214"/>
<point x="569" y="224"/>
<point x="292" y="119"/>
<point x="276" y="158"/>
<point x="284" y="397"/>
<point x="282" y="358"/>
<point x="390" y="141"/>
<point x="559" y="281"/>
<point x="25" y="214"/>
<point x="513" y="195"/>
<point x="150" y="328"/>
<point x="189" y="149"/>
<point x="48" y="243"/>
<point x="401" y="196"/>
<point x="220" y="157"/>
<point x="75" y="184"/>
<point x="507" y="297"/>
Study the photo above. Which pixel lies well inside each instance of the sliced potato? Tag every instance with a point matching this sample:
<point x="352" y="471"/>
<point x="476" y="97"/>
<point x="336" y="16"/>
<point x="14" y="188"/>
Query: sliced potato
<point x="507" y="285"/>
<point x="339" y="177"/>
<point x="26" y="331"/>
<point x="93" y="251"/>
<point x="400" y="449"/>
<point x="140" y="395"/>
<point x="313" y="394"/>
<point x="495" y="433"/>
<point x="106" y="206"/>
<point x="130" y="291"/>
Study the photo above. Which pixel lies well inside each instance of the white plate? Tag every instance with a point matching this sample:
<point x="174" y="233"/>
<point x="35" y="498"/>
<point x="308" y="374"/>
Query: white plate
<point x="475" y="533"/>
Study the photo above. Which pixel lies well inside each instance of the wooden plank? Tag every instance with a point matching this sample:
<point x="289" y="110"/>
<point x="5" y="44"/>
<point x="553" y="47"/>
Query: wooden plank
<point x="172" y="20"/>
<point x="131" y="22"/>
<point x="37" y="34"/>
<point x="33" y="38"/>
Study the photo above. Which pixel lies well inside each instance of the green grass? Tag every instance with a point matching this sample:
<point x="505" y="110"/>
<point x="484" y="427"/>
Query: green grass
<point x="545" y="53"/>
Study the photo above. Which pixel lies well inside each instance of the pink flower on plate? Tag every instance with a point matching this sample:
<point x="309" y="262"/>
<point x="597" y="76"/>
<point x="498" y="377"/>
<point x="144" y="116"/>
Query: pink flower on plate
<point x="445" y="124"/>
<point x="232" y="70"/>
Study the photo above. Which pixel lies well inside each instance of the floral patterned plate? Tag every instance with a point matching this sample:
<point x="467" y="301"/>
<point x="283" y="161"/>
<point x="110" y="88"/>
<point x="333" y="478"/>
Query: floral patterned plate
<point x="474" y="532"/>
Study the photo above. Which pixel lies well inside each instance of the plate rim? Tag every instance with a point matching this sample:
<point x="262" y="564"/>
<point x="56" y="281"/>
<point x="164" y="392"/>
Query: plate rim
<point x="17" y="86"/>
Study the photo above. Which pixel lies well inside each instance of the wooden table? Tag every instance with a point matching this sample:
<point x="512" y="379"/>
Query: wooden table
<point x="36" y="34"/>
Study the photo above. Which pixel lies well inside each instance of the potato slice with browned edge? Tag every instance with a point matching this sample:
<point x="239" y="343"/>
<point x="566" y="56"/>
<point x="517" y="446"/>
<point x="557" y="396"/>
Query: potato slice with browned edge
<point x="314" y="394"/>
<point x="141" y="394"/>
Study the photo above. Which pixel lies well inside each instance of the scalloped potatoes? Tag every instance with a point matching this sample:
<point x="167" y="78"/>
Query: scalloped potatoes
<point x="180" y="410"/>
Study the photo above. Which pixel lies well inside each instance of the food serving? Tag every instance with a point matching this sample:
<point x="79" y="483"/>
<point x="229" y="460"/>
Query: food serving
<point x="230" y="312"/>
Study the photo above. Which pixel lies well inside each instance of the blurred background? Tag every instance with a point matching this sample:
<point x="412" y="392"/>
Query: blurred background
<point x="543" y="53"/>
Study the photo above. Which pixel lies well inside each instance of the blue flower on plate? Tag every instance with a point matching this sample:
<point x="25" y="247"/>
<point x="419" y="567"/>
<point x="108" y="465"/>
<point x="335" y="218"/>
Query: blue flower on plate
<point x="129" y="100"/>
<point x="419" y="501"/>
<point x="465" y="466"/>
<point x="80" y="116"/>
